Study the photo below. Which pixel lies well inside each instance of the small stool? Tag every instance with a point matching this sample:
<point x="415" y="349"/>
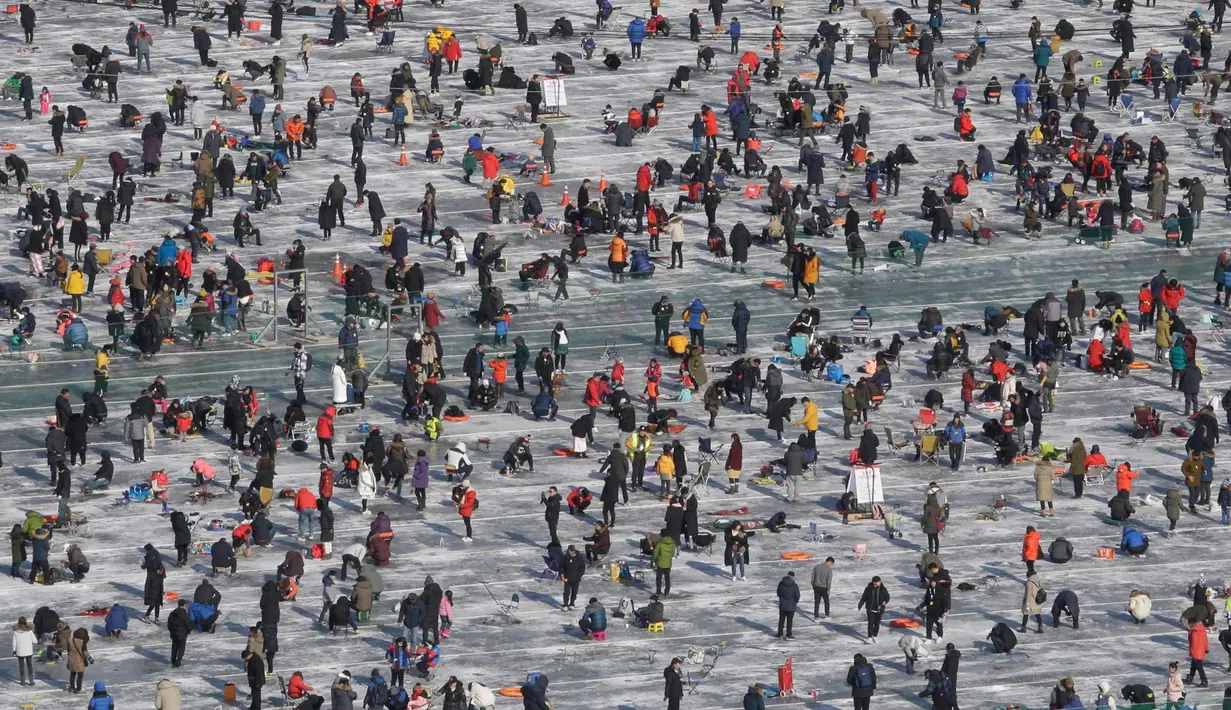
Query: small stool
<point x="602" y="635"/>
<point x="655" y="627"/>
<point x="484" y="444"/>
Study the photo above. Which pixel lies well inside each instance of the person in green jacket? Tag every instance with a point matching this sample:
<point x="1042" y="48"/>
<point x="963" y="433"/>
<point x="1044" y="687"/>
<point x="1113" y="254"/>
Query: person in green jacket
<point x="521" y="359"/>
<point x="469" y="163"/>
<point x="664" y="555"/>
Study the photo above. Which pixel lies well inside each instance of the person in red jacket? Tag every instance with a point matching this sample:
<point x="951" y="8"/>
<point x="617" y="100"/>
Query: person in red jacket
<point x="711" y="127"/>
<point x="452" y="50"/>
<point x="305" y="505"/>
<point x="297" y="688"/>
<point x="578" y="500"/>
<point x="324" y="432"/>
<point x="1145" y="306"/>
<point x="968" y="390"/>
<point x="1100" y="170"/>
<point x="1094" y="355"/>
<point x="958" y="189"/>
<point x="1173" y="293"/>
<point x="966" y="126"/>
<point x="324" y="488"/>
<point x="597" y="390"/>
<point x="466" y="501"/>
<point x="1124" y="477"/>
<point x="491" y="165"/>
<point x="1031" y="546"/>
<point x="1198" y="647"/>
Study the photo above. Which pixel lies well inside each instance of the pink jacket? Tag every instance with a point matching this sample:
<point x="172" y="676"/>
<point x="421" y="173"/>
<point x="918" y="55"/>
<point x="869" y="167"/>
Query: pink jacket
<point x="446" y="608"/>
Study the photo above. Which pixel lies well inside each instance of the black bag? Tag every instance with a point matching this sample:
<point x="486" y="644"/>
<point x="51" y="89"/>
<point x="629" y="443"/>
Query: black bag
<point x="211" y="63"/>
<point x="532" y="40"/>
<point x="1040" y="596"/>
<point x="512" y="408"/>
<point x="305" y="11"/>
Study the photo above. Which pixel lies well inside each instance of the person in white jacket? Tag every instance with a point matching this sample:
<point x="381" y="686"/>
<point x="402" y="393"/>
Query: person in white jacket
<point x="367" y="485"/>
<point x="338" y="378"/>
<point x="481" y="696"/>
<point x="197" y="114"/>
<point x="1106" y="699"/>
<point x="23" y="647"/>
<point x="1139" y="605"/>
<point x="457" y="462"/>
<point x="166" y="696"/>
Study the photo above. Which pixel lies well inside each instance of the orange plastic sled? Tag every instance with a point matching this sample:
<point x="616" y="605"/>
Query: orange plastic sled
<point x="774" y="284"/>
<point x="510" y="691"/>
<point x="464" y="417"/>
<point x="171" y="596"/>
<point x="1138" y="365"/>
<point x="562" y="452"/>
<point x="904" y="624"/>
<point x="676" y="428"/>
<point x="796" y="555"/>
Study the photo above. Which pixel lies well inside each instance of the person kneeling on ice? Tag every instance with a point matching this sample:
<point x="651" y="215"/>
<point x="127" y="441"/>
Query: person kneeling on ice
<point x="544" y="405"/>
<point x="1002" y="637"/>
<point x="594" y="619"/>
<point x="426" y="659"/>
<point x="1134" y="542"/>
<point x="578" y="500"/>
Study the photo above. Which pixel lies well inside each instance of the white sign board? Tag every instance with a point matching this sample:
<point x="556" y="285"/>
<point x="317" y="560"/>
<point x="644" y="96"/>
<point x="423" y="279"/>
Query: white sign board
<point x="865" y="483"/>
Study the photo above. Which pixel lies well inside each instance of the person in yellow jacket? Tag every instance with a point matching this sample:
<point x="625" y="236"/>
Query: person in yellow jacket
<point x="102" y="371"/>
<point x="665" y="466"/>
<point x="811" y="272"/>
<point x="74" y="286"/>
<point x="810" y="421"/>
<point x="618" y="260"/>
<point x="677" y="344"/>
<point x="639" y="444"/>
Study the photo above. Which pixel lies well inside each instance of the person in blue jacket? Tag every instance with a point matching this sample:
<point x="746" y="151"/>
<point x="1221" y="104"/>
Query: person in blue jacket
<point x="101" y="700"/>
<point x="695" y="317"/>
<point x="1133" y="541"/>
<point x="167" y="251"/>
<point x="1021" y="97"/>
<point x="256" y="109"/>
<point x="636" y="35"/>
<point x="734" y="31"/>
<point x="117" y="621"/>
<point x="955" y="431"/>
<point x="544" y="405"/>
<point x="594" y="619"/>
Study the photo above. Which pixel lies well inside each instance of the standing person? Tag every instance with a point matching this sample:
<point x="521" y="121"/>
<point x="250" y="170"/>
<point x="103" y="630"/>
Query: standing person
<point x="1198" y="647"/>
<point x="1032" y="602"/>
<point x="78" y="658"/>
<point x="955" y="431"/>
<point x="155" y="574"/>
<point x="551" y="511"/>
<point x="663" y="556"/>
<point x="936" y="599"/>
<point x="24" y="642"/>
<point x="875" y="598"/>
<point x="662" y="312"/>
<point x="301" y="362"/>
<point x="255" y="669"/>
<point x="861" y="676"/>
<point x="178" y="627"/>
<point x="673" y="687"/>
<point x="466" y="501"/>
<point x="822" y="582"/>
<point x="572" y="570"/>
<point x="788" y="601"/>
<point x="1078" y="466"/>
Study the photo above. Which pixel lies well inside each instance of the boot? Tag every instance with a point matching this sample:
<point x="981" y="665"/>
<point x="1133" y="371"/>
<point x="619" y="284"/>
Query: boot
<point x="1039" y="630"/>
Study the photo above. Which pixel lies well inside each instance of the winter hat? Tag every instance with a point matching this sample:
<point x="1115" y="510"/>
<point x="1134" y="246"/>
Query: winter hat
<point x="876" y="579"/>
<point x="1104" y="687"/>
<point x="100" y="687"/>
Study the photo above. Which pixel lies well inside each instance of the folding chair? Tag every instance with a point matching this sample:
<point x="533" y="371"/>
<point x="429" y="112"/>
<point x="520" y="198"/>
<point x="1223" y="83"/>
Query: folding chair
<point x="692" y="684"/>
<point x="860" y="552"/>
<point x="925" y="423"/>
<point x="1097" y="475"/>
<point x="1173" y="110"/>
<point x="551" y="570"/>
<point x="1192" y="137"/>
<point x="929" y="449"/>
<point x="814" y="534"/>
<point x="1124" y="108"/>
<point x="386" y="41"/>
<point x="286" y="698"/>
<point x="709" y="455"/>
<point x="897" y="446"/>
<point x="71" y="174"/>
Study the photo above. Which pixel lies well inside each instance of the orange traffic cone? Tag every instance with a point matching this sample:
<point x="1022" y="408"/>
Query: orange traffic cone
<point x="602" y="182"/>
<point x="402" y="160"/>
<point x="337" y="267"/>
<point x="565" y="201"/>
<point x="545" y="180"/>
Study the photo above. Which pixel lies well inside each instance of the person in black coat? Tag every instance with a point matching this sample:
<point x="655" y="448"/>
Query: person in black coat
<point x="551" y="511"/>
<point x="206" y="594"/>
<point x="788" y="601"/>
<point x="376" y="211"/>
<point x="179" y="626"/>
<point x="255" y="670"/>
<point x="431" y="596"/>
<point x="692" y="525"/>
<point x="673" y="520"/>
<point x="155" y="573"/>
<point x="673" y="687"/>
<point x="271" y="612"/>
<point x="571" y="571"/>
<point x="262" y="530"/>
<point x="183" y="537"/>
<point x="340" y="615"/>
<point x="1065" y="602"/>
<point x="222" y="556"/>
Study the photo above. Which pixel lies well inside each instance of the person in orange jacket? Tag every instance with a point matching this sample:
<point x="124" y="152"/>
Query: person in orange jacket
<point x="597" y="390"/>
<point x="294" y="134"/>
<point x="500" y="373"/>
<point x="466" y="501"/>
<point x="711" y="127"/>
<point x="1031" y="547"/>
<point x="324" y="432"/>
<point x="298" y="688"/>
<point x="1145" y="306"/>
<point x="1124" y="477"/>
<point x="305" y="505"/>
<point x="618" y="259"/>
<point x="1094" y="355"/>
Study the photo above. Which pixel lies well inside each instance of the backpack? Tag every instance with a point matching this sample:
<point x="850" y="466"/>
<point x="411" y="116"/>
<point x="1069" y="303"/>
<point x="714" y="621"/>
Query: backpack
<point x="957" y="124"/>
<point x="1040" y="596"/>
<point x="532" y="40"/>
<point x="512" y="408"/>
<point x="863" y="676"/>
<point x="934" y="22"/>
<point x="308" y="368"/>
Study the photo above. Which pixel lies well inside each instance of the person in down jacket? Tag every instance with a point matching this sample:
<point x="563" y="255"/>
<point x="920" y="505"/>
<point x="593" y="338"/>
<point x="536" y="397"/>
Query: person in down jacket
<point x="116" y="621"/>
<point x="534" y="694"/>
<point x="636" y="33"/>
<point x="695" y="318"/>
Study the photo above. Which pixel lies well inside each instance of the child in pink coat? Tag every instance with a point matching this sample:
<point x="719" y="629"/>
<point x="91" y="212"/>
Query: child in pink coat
<point x="446" y="614"/>
<point x="44" y="102"/>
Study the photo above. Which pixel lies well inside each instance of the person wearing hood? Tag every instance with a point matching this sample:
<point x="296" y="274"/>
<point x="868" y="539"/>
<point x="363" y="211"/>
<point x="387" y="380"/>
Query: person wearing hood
<point x="534" y="693"/>
<point x="740" y="318"/>
<point x="431" y="597"/>
<point x="24" y="642"/>
<point x="155" y="574"/>
<point x="861" y="677"/>
<point x="695" y="318"/>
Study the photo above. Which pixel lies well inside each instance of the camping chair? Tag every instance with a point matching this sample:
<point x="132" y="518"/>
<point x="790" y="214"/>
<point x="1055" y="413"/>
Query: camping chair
<point x="386" y="41"/>
<point x="925" y="423"/>
<point x="1097" y="475"/>
<point x="709" y="455"/>
<point x="1147" y="423"/>
<point x="1124" y="108"/>
<point x="897" y="446"/>
<point x="286" y="698"/>
<point x="928" y="449"/>
<point x="814" y="534"/>
<point x="551" y="570"/>
<point x="1192" y="137"/>
<point x="1173" y="110"/>
<point x="704" y="542"/>
<point x="799" y="347"/>
<point x="71" y="174"/>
